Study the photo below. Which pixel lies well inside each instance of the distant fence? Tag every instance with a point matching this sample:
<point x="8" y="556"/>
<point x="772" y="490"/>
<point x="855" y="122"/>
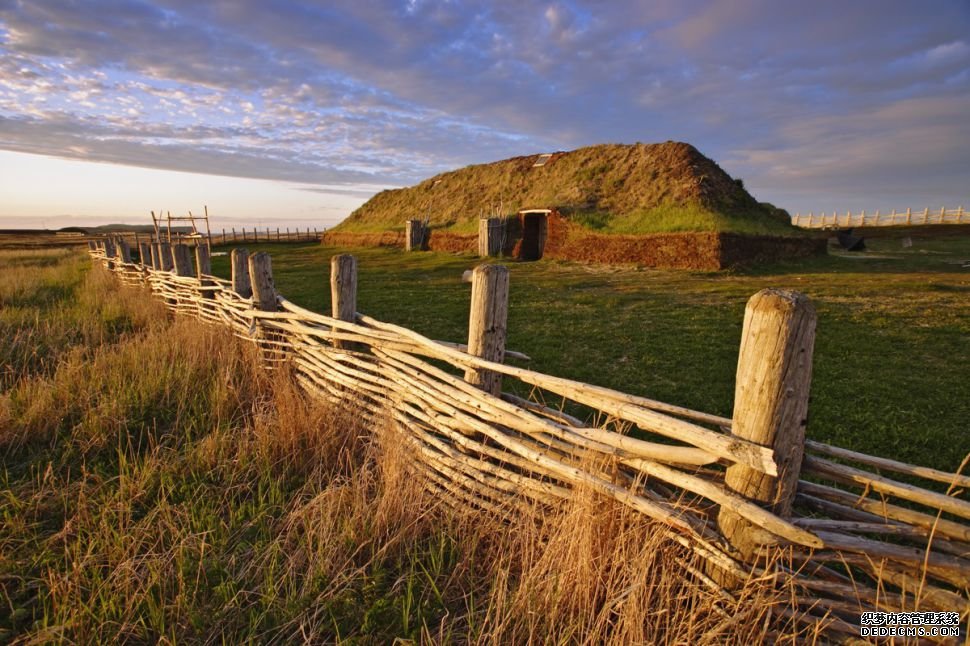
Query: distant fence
<point x="274" y="234"/>
<point x="726" y="489"/>
<point x="225" y="236"/>
<point x="902" y="218"/>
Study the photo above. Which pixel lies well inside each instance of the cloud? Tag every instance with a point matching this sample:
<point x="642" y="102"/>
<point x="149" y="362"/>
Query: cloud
<point x="389" y="93"/>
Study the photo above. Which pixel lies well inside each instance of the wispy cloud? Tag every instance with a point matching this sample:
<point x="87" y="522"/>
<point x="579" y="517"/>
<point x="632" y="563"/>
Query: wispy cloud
<point x="863" y="98"/>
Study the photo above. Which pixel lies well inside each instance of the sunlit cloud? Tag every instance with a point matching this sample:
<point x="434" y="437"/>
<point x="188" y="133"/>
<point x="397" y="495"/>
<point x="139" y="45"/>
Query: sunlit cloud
<point x="863" y="100"/>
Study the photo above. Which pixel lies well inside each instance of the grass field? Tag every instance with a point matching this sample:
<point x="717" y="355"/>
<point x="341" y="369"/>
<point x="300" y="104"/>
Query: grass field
<point x="892" y="360"/>
<point x="158" y="486"/>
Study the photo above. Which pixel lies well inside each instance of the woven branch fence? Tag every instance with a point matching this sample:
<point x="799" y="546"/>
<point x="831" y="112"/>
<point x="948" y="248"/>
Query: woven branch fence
<point x="857" y="532"/>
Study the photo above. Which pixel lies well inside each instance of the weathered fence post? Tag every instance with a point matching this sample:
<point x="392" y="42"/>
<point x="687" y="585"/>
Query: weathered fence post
<point x="490" y="236"/>
<point x="203" y="262"/>
<point x="343" y="291"/>
<point x="203" y="267"/>
<point x="414" y="235"/>
<point x="487" y="323"/>
<point x="145" y="251"/>
<point x="240" y="273"/>
<point x="770" y="404"/>
<point x="261" y="276"/>
<point x="182" y="257"/>
<point x="124" y="251"/>
<point x="165" y="256"/>
<point x="109" y="249"/>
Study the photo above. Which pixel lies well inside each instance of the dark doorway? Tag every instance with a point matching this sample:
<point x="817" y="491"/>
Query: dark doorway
<point x="533" y="235"/>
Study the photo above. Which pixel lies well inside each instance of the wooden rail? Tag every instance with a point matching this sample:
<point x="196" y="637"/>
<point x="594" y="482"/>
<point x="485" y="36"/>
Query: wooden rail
<point x="728" y="490"/>
<point x="895" y="219"/>
<point x="225" y="236"/>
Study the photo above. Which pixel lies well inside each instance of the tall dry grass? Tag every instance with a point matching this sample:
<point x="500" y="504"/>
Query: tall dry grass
<point x="158" y="485"/>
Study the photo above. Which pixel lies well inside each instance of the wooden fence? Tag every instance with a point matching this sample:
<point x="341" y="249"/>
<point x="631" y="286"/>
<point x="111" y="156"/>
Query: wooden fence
<point x="223" y="237"/>
<point x="732" y="491"/>
<point x="277" y="234"/>
<point x="899" y="219"/>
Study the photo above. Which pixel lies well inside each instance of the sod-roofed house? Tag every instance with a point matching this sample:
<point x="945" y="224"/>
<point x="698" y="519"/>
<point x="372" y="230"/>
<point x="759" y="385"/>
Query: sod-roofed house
<point x="658" y="205"/>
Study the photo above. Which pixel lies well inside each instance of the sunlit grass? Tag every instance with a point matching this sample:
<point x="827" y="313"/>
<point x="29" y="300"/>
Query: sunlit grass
<point x="158" y="485"/>
<point x="892" y="367"/>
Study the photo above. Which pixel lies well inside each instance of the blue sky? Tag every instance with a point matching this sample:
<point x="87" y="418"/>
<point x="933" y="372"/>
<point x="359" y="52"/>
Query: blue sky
<point x="296" y="112"/>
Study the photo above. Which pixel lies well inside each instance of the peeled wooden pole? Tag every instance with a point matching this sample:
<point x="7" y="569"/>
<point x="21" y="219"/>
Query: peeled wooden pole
<point x="240" y="273"/>
<point x="182" y="257"/>
<point x="145" y="251"/>
<point x="124" y="251"/>
<point x="261" y="275"/>
<point x="343" y="291"/>
<point x="487" y="323"/>
<point x="203" y="262"/>
<point x="165" y="256"/>
<point x="771" y="404"/>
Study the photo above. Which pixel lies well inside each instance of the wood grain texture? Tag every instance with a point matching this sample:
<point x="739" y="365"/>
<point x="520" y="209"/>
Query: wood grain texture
<point x="261" y="275"/>
<point x="487" y="323"/>
<point x="771" y="402"/>
<point x="241" y="284"/>
<point x="343" y="290"/>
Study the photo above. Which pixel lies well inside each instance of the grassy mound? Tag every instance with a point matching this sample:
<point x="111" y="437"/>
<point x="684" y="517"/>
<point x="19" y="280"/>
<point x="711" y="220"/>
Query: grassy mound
<point x="612" y="188"/>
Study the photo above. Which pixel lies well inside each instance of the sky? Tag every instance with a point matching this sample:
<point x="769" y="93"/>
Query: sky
<point x="275" y="113"/>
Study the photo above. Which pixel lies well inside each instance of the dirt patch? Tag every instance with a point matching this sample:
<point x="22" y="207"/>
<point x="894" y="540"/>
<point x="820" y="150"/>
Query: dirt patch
<point x="437" y="240"/>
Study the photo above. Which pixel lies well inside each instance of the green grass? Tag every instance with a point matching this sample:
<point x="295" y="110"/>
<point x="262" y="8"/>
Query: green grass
<point x="892" y="364"/>
<point x="678" y="219"/>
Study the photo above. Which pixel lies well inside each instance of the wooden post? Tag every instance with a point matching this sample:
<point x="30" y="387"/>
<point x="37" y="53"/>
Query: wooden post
<point x="240" y="273"/>
<point x="489" y="236"/>
<point x="182" y="257"/>
<point x="343" y="291"/>
<point x="487" y="323"/>
<point x="165" y="256"/>
<point x="124" y="251"/>
<point x="287" y="233"/>
<point x="156" y="263"/>
<point x="770" y="404"/>
<point x="234" y="234"/>
<point x="203" y="262"/>
<point x="145" y="251"/>
<point x="413" y="235"/>
<point x="261" y="275"/>
<point x="277" y="234"/>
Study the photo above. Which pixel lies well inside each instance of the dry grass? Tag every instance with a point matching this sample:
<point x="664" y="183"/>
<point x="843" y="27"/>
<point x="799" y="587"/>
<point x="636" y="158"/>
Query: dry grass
<point x="158" y="485"/>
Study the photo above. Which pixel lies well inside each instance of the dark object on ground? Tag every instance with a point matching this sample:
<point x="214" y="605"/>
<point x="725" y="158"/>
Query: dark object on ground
<point x="851" y="242"/>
